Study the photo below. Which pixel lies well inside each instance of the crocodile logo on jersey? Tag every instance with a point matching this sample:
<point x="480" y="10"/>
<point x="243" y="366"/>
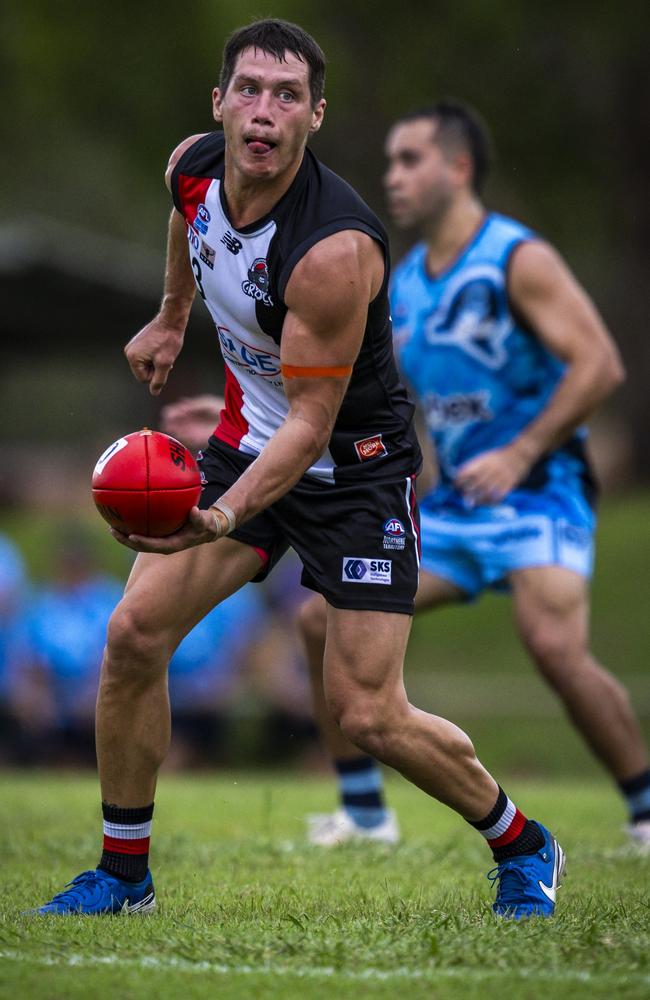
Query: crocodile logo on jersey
<point x="257" y="285"/>
<point x="473" y="316"/>
<point x="202" y="220"/>
<point x="231" y="242"/>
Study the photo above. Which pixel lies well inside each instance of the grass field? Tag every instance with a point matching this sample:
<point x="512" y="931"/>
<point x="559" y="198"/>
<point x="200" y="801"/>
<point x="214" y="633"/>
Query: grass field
<point x="246" y="909"/>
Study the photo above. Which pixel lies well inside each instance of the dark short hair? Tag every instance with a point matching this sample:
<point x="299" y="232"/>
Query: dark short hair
<point x="276" y="37"/>
<point x="460" y="126"/>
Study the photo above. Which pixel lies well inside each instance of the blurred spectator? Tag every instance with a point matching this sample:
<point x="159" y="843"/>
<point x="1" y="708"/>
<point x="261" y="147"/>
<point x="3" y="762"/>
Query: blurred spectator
<point x="13" y="594"/>
<point x="55" y="681"/>
<point x="192" y="419"/>
<point x="279" y="674"/>
<point x="203" y="676"/>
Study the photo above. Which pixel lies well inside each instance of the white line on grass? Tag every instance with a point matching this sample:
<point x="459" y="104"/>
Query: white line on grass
<point x="312" y="972"/>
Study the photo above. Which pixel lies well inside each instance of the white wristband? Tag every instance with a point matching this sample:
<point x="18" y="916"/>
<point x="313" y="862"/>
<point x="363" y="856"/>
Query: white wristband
<point x="228" y="512"/>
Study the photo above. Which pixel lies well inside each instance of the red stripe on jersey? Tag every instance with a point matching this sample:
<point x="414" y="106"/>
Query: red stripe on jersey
<point x="232" y="423"/>
<point x="119" y="846"/>
<point x="192" y="192"/>
<point x="515" y="828"/>
<point x="414" y="517"/>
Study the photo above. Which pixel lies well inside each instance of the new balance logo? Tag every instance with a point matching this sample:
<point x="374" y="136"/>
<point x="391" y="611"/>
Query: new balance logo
<point x="231" y="242"/>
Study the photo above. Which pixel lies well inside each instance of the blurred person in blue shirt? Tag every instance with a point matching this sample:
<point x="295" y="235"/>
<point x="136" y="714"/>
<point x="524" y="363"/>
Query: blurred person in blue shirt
<point x="13" y="594"/>
<point x="55" y="682"/>
<point x="203" y="674"/>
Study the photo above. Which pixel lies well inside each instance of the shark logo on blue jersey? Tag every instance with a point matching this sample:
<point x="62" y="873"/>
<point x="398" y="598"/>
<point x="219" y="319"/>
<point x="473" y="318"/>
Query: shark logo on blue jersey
<point x="473" y="316"/>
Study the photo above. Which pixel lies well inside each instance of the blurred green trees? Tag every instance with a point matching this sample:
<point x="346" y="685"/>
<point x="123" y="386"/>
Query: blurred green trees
<point x="96" y="95"/>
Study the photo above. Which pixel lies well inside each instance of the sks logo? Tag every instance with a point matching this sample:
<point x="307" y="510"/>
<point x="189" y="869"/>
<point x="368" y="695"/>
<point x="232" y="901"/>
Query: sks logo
<point x="231" y="242"/>
<point x="202" y="220"/>
<point x="473" y="316"/>
<point x="257" y="285"/>
<point x="357" y="570"/>
<point x="251" y="359"/>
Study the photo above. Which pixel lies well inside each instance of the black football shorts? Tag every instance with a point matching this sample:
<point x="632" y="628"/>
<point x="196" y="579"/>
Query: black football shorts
<point x="358" y="543"/>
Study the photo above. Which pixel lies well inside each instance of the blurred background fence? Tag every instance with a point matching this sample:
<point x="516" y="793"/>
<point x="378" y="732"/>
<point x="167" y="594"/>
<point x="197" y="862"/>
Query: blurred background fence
<point x="95" y="97"/>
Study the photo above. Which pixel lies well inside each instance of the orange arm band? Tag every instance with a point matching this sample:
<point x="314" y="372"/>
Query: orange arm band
<point x="299" y="371"/>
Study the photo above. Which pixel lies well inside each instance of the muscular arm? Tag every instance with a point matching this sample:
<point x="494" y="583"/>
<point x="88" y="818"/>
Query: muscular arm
<point x="548" y="297"/>
<point x="546" y="294"/>
<point x="327" y="296"/>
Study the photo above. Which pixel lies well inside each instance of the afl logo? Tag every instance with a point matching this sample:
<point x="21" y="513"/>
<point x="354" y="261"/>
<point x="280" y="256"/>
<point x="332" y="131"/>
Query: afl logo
<point x="202" y="220"/>
<point x="394" y="528"/>
<point x="257" y="285"/>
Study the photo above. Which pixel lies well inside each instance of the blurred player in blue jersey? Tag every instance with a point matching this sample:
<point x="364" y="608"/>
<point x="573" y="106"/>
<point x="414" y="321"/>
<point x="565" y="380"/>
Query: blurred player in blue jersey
<point x="506" y="357"/>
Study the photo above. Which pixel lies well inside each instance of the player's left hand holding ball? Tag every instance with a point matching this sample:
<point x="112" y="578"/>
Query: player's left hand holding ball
<point x="201" y="526"/>
<point x="146" y="485"/>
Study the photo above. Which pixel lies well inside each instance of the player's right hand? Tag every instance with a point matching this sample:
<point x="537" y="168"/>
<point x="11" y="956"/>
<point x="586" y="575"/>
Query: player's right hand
<point x="152" y="352"/>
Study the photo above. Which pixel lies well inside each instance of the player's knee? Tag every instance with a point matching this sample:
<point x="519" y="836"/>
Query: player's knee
<point x="552" y="648"/>
<point x="130" y="646"/>
<point x="312" y="619"/>
<point x="367" y="724"/>
<point x="312" y="623"/>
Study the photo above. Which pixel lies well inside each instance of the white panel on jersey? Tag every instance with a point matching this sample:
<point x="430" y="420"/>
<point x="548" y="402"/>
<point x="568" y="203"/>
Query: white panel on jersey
<point x="233" y="278"/>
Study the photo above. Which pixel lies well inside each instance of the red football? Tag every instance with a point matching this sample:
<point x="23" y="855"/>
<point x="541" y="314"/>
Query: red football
<point x="146" y="483"/>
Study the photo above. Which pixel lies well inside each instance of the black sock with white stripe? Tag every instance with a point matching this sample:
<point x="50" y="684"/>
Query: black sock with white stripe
<point x="508" y="832"/>
<point x="127" y="833"/>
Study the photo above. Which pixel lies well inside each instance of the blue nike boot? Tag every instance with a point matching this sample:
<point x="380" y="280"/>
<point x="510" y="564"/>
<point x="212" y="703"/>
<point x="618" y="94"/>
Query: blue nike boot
<point x="528" y="883"/>
<point x="97" y="892"/>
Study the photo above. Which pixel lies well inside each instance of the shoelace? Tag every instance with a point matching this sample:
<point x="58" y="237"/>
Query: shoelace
<point x="78" y="884"/>
<point x="510" y="878"/>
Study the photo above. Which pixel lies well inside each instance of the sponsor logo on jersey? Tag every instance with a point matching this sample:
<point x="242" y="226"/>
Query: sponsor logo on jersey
<point x="394" y="534"/>
<point x="207" y="254"/>
<point x="574" y="535"/>
<point x="257" y="284"/>
<point x="460" y="408"/>
<point x="368" y="448"/>
<point x="250" y="358"/>
<point x="202" y="220"/>
<point x="358" y="570"/>
<point x="231" y="242"/>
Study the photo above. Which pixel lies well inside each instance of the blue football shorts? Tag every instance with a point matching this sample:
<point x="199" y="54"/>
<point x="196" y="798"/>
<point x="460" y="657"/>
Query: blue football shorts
<point x="476" y="548"/>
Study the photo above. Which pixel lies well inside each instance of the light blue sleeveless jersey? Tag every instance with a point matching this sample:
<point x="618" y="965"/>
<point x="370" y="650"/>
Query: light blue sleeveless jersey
<point x="478" y="374"/>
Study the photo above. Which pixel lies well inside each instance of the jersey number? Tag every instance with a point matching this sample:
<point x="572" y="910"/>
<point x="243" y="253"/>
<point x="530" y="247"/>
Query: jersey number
<point x="196" y="267"/>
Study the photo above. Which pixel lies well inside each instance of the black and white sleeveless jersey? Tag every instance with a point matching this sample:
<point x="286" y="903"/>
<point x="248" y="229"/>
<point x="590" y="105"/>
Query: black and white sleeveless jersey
<point x="242" y="275"/>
